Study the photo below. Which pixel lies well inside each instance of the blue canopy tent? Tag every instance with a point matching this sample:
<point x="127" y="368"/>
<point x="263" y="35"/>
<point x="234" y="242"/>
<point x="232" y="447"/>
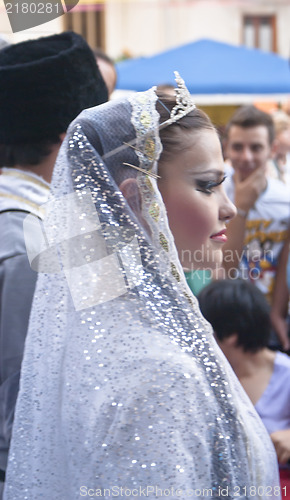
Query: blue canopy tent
<point x="209" y="67"/>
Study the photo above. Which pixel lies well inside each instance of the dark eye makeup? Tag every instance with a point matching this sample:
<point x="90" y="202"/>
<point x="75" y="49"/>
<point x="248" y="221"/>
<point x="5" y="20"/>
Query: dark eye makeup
<point x="208" y="186"/>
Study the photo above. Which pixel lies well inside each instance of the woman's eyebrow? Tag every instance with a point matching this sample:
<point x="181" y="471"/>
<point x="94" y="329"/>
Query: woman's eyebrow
<point x="218" y="173"/>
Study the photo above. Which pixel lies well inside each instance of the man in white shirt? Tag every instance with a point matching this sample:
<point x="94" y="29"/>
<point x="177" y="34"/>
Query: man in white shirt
<point x="257" y="233"/>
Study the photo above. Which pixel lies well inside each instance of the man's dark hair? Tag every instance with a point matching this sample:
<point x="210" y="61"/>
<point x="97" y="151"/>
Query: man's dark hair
<point x="237" y="306"/>
<point x="99" y="53"/>
<point x="248" y="117"/>
<point x="44" y="84"/>
<point x="26" y="155"/>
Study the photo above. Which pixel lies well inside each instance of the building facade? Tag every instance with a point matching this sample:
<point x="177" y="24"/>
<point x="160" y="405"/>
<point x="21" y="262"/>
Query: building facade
<point x="144" y="27"/>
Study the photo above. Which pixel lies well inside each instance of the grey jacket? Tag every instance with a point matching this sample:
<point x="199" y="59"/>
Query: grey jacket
<point x="17" y="283"/>
<point x="21" y="193"/>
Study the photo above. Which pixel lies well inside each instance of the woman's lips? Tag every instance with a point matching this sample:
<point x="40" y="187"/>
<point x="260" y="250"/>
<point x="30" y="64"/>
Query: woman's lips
<point x="221" y="237"/>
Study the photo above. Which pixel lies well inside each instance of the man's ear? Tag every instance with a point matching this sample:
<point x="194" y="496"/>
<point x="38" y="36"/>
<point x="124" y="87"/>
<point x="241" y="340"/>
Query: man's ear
<point x="130" y="190"/>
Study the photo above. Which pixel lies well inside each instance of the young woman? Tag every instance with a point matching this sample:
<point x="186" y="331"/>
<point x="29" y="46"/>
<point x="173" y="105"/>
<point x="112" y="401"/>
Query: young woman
<point x="124" y="391"/>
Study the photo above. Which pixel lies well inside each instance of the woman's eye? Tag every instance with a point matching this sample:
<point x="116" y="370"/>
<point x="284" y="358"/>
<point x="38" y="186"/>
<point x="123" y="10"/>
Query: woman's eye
<point x="205" y="187"/>
<point x="208" y="186"/>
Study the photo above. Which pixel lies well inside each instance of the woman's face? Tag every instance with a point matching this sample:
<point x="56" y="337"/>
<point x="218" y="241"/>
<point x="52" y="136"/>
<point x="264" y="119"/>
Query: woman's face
<point x="197" y="206"/>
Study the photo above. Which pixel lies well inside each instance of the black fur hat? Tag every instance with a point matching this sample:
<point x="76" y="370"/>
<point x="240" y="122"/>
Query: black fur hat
<point x="44" y="85"/>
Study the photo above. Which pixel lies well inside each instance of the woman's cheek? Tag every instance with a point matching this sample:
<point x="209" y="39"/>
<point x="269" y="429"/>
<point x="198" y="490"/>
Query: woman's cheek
<point x="198" y="217"/>
<point x="191" y="231"/>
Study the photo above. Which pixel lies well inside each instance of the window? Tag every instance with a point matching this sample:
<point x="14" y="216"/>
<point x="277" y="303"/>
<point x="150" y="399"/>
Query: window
<point x="88" y="21"/>
<point x="260" y="32"/>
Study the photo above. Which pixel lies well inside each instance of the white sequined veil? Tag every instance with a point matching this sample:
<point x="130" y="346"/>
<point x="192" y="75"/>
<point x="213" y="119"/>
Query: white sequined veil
<point x="124" y="391"/>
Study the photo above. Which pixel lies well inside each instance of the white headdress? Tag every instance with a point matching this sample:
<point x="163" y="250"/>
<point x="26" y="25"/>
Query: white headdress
<point x="123" y="385"/>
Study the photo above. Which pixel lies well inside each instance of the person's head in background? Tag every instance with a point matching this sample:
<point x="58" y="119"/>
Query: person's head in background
<point x="239" y="315"/>
<point x="166" y="88"/>
<point x="286" y="107"/>
<point x="249" y="137"/>
<point x="191" y="173"/>
<point x="107" y="68"/>
<point x="44" y="84"/>
<point x="281" y="144"/>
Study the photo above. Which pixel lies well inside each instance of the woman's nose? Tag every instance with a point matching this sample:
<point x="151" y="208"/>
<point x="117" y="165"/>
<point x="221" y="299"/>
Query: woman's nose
<point x="227" y="209"/>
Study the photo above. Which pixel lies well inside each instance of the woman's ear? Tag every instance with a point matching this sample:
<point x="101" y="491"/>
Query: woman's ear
<point x="232" y="340"/>
<point x="130" y="190"/>
<point x="227" y="343"/>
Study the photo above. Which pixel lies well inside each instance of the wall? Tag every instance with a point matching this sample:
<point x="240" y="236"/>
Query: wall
<point x="145" y="27"/>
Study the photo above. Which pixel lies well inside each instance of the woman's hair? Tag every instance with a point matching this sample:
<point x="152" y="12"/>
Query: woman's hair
<point x="237" y="306"/>
<point x="175" y="137"/>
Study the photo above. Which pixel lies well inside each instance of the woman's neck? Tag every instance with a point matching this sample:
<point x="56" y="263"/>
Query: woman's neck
<point x="254" y="371"/>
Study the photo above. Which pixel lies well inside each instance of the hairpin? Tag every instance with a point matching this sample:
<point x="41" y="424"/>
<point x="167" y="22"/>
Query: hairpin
<point x="184" y="103"/>
<point x="130" y="145"/>
<point x="146" y="172"/>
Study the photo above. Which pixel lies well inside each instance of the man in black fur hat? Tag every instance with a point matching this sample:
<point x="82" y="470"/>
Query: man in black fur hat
<point x="44" y="85"/>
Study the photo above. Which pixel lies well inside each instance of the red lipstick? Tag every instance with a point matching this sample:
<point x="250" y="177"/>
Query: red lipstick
<point x="221" y="236"/>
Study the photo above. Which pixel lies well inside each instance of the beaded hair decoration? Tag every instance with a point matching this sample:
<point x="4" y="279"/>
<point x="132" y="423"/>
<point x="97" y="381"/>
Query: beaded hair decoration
<point x="184" y="102"/>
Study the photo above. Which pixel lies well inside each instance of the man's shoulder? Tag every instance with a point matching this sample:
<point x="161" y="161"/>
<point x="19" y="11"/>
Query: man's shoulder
<point x="282" y="361"/>
<point x="12" y="238"/>
<point x="276" y="191"/>
<point x="273" y="203"/>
